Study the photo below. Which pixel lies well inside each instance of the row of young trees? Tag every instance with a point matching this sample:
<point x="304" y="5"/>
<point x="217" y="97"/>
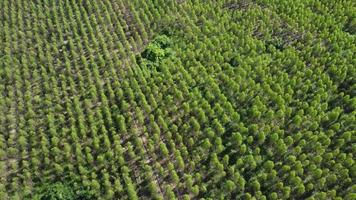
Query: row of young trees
<point x="62" y="69"/>
<point x="230" y="99"/>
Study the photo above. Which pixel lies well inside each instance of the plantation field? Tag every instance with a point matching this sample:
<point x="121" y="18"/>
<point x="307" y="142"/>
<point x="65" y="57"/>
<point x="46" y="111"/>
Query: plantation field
<point x="177" y="99"/>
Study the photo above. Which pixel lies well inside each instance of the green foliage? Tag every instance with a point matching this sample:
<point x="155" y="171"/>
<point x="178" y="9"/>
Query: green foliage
<point x="60" y="191"/>
<point x="177" y="99"/>
<point x="156" y="51"/>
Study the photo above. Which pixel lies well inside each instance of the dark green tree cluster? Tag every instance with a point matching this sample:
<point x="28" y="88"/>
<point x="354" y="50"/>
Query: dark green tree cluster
<point x="60" y="191"/>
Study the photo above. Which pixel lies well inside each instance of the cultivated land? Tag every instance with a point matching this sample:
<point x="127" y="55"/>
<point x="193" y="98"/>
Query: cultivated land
<point x="177" y="99"/>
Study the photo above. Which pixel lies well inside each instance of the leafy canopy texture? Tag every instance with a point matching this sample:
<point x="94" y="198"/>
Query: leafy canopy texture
<point x="177" y="99"/>
<point x="60" y="191"/>
<point x="55" y="192"/>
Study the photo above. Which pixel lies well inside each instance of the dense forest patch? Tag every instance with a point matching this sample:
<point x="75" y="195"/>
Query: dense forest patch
<point x="167" y="99"/>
